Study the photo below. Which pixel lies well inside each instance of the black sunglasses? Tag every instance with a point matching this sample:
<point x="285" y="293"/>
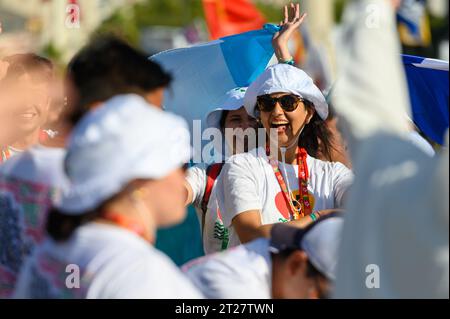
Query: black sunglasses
<point x="288" y="103"/>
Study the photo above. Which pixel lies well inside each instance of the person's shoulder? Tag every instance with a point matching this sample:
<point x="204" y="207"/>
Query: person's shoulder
<point x="199" y="167"/>
<point x="143" y="272"/>
<point x="251" y="158"/>
<point x="39" y="164"/>
<point x="327" y="165"/>
<point x="258" y="246"/>
<point x="197" y="170"/>
<point x="123" y="248"/>
<point x="238" y="258"/>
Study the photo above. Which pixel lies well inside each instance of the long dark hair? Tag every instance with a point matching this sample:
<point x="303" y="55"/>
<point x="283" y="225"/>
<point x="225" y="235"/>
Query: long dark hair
<point x="61" y="225"/>
<point x="316" y="136"/>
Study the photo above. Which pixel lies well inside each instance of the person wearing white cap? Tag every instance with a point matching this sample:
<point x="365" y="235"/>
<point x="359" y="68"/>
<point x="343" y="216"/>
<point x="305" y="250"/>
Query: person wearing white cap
<point x="257" y="190"/>
<point x="32" y="180"/>
<point x="202" y="179"/>
<point x="104" y="224"/>
<point x="295" y="263"/>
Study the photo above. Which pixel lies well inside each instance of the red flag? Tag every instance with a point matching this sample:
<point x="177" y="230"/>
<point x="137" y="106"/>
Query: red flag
<point x="228" y="17"/>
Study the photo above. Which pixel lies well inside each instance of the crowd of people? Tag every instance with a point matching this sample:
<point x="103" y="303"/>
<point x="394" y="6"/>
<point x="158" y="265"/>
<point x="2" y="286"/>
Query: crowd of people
<point x="92" y="166"/>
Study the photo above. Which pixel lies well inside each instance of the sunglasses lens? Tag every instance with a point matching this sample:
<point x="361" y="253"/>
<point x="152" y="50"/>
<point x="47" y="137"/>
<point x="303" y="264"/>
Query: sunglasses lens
<point x="266" y="104"/>
<point x="289" y="103"/>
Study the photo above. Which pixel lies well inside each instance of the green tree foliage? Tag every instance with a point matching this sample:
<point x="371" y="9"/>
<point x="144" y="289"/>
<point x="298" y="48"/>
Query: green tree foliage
<point x="126" y="22"/>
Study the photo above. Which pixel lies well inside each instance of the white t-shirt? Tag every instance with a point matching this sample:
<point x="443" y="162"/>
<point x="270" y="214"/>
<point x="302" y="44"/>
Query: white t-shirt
<point x="249" y="183"/>
<point x="112" y="262"/>
<point x="29" y="183"/>
<point x="242" y="272"/>
<point x="215" y="235"/>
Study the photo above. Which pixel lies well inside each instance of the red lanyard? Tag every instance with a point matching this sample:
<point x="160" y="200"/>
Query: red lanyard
<point x="297" y="209"/>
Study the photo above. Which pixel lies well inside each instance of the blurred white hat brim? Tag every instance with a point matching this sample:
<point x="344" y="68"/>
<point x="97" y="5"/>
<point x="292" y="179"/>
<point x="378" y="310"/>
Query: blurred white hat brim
<point x="233" y="100"/>
<point x="124" y="139"/>
<point x="321" y="244"/>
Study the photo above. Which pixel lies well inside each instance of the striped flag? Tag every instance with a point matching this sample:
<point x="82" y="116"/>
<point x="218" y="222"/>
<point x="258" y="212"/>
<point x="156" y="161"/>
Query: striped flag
<point x="428" y="91"/>
<point x="204" y="73"/>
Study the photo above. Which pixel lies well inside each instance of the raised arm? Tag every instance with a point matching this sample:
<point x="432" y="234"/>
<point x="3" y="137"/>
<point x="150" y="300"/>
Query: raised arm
<point x="291" y="23"/>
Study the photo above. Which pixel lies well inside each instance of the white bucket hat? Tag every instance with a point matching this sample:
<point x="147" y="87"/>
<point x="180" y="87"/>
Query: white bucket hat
<point x="284" y="78"/>
<point x="233" y="100"/>
<point x="320" y="241"/>
<point x="122" y="140"/>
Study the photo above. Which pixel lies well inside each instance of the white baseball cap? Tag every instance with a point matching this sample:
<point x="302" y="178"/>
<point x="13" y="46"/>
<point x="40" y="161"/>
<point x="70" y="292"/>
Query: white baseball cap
<point x="320" y="241"/>
<point x="285" y="78"/>
<point x="124" y="139"/>
<point x="233" y="100"/>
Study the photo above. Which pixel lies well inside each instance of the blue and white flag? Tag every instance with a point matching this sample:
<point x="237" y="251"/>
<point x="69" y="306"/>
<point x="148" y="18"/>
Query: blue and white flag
<point x="204" y="73"/>
<point x="428" y="91"/>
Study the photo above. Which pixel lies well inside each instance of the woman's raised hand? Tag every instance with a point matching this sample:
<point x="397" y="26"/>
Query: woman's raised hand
<point x="292" y="21"/>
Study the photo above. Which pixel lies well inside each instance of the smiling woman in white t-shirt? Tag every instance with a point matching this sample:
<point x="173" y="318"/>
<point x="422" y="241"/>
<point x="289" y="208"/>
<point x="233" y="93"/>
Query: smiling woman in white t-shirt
<point x="283" y="182"/>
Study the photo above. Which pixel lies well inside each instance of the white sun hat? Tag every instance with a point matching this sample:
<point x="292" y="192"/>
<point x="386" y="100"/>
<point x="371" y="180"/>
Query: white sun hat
<point x="320" y="241"/>
<point x="124" y="139"/>
<point x="284" y="78"/>
<point x="233" y="100"/>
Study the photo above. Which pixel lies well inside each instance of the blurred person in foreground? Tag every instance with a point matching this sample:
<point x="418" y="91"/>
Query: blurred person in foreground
<point x="27" y="81"/>
<point x="295" y="263"/>
<point x="106" y="221"/>
<point x="31" y="181"/>
<point x="395" y="237"/>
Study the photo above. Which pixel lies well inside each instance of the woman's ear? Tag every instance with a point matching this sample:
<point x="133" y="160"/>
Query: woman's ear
<point x="310" y="113"/>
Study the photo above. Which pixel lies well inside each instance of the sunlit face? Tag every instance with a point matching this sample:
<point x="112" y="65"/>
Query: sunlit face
<point x="31" y="104"/>
<point x="287" y="125"/>
<point x="239" y="121"/>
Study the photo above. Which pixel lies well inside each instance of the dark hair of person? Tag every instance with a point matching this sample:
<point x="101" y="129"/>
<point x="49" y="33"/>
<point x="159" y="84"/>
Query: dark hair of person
<point x="311" y="270"/>
<point x="108" y="66"/>
<point x="39" y="69"/>
<point x="223" y="119"/>
<point x="316" y="136"/>
<point x="60" y="226"/>
<point x="331" y="111"/>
